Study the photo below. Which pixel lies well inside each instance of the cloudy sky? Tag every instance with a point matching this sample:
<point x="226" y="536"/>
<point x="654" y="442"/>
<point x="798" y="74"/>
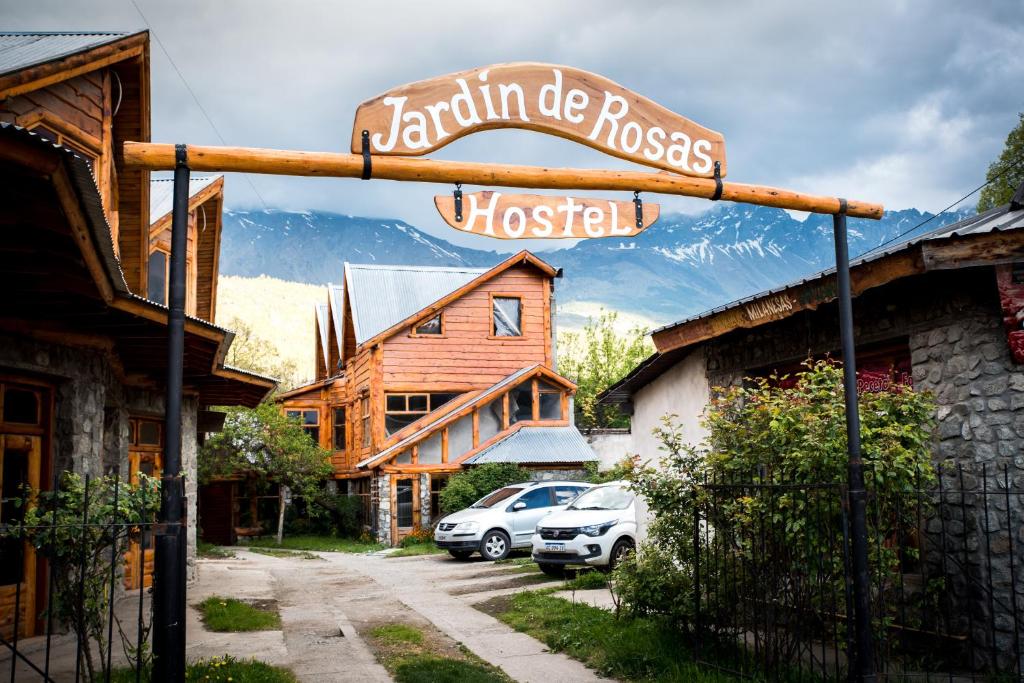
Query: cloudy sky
<point x="896" y="101"/>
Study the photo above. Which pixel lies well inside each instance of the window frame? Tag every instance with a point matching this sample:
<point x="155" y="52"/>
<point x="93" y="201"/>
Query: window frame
<point x="364" y="419"/>
<point x="166" y="278"/>
<point x="406" y="395"/>
<point x="492" y="330"/>
<point x="302" y="410"/>
<point x="414" y="330"/>
<point x="335" y="426"/>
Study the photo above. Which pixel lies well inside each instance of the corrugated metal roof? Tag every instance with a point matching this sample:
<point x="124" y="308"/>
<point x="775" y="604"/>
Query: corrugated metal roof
<point x="382" y="296"/>
<point x="321" y="325"/>
<point x="999" y="219"/>
<point x="161" y="194"/>
<point x="20" y="50"/>
<point x="480" y="398"/>
<point x="538" y="445"/>
<point x="337" y="296"/>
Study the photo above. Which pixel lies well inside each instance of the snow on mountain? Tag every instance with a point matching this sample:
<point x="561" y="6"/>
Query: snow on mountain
<point x="680" y="266"/>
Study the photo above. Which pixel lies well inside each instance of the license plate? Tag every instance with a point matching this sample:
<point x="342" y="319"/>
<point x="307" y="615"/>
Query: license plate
<point x="555" y="547"/>
<point x="442" y="537"/>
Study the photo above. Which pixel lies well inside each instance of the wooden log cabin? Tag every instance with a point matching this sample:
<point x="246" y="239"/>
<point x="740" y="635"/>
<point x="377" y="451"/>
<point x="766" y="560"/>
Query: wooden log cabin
<point x="422" y="371"/>
<point x="83" y="325"/>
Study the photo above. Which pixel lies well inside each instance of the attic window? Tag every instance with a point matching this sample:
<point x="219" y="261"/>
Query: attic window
<point x="156" y="289"/>
<point x="507" y="316"/>
<point x="431" y="326"/>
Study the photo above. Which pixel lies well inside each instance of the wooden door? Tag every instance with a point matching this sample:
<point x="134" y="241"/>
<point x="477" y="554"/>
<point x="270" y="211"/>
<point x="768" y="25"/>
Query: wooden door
<point x="20" y="466"/>
<point x="405" y="501"/>
<point x="149" y="463"/>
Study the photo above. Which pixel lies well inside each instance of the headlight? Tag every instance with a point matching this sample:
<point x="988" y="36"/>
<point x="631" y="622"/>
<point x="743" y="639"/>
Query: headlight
<point x="467" y="526"/>
<point x="598" y="529"/>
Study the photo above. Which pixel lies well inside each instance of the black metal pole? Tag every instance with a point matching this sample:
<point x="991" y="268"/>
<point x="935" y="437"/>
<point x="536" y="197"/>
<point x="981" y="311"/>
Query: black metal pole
<point x="169" y="565"/>
<point x="863" y="667"/>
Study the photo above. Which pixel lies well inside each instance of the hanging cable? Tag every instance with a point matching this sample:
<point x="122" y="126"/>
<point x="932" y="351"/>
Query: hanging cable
<point x="195" y="98"/>
<point x="120" y="93"/>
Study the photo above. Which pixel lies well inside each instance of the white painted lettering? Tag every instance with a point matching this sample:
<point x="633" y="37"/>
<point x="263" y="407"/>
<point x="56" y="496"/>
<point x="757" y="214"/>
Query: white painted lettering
<point x="435" y="115"/>
<point x="631" y="128"/>
<point x="485" y="90"/>
<point x="592" y="217"/>
<point x="417" y="125"/>
<point x="506" y="222"/>
<point x="705" y="159"/>
<point x="569" y="209"/>
<point x="465" y="99"/>
<point x="504" y="91"/>
<point x="575" y="100"/>
<point x="545" y="222"/>
<point x="396" y="121"/>
<point x="487" y="213"/>
<point x="607" y="115"/>
<point x="617" y="229"/>
<point x="678" y="155"/>
<point x="656" y="150"/>
<point x="556" y="97"/>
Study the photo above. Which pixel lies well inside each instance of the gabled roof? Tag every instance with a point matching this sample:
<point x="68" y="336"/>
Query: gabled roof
<point x="534" y="445"/>
<point x="383" y="296"/>
<point x="387" y="298"/>
<point x="20" y="50"/>
<point x="29" y="60"/>
<point x="417" y="431"/>
<point x="321" y="326"/>
<point x="161" y="194"/>
<point x="336" y="293"/>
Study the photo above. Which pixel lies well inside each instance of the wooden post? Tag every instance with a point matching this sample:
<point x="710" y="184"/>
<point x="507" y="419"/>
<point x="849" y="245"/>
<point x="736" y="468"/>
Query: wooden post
<point x="160" y="157"/>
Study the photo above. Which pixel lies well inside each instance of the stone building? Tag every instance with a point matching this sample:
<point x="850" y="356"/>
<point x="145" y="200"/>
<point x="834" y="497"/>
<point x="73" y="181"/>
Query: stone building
<point x="83" y="270"/>
<point x="941" y="311"/>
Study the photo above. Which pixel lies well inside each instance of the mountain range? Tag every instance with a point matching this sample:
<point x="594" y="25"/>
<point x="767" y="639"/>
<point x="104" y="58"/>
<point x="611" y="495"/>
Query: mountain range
<point x="680" y="266"/>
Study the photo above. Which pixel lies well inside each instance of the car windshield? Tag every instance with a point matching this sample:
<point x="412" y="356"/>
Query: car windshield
<point x="493" y="499"/>
<point x="603" y="498"/>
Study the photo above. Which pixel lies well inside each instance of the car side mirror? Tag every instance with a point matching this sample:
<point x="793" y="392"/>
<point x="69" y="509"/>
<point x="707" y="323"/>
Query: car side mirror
<point x="518" y="505"/>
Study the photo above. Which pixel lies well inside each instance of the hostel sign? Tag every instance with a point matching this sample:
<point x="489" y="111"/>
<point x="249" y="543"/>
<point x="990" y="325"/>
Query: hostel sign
<point x="531" y="216"/>
<point x="421" y="117"/>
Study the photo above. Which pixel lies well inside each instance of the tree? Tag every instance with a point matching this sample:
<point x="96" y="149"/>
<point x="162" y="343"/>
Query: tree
<point x="466" y="487"/>
<point x="271" y="449"/>
<point x="251" y="352"/>
<point x="597" y="357"/>
<point x="82" y="531"/>
<point x="1001" y="189"/>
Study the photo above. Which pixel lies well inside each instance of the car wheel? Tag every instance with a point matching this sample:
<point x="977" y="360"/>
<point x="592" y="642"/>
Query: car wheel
<point x="495" y="545"/>
<point x="622" y="547"/>
<point x="555" y="570"/>
<point x="460" y="554"/>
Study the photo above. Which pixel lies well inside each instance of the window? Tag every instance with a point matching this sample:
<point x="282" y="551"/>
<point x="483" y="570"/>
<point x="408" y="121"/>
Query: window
<point x="21" y="406"/>
<point x="146" y="432"/>
<point x="550" y="401"/>
<point x="364" y="407"/>
<point x="506" y="316"/>
<point x="339" y="429"/>
<point x="403" y="498"/>
<point x="437" y="482"/>
<point x="536" y="498"/>
<point x="156" y="287"/>
<point x="566" y="494"/>
<point x="520" y="403"/>
<point x="401" y="410"/>
<point x="433" y="326"/>
<point x="309" y="418"/>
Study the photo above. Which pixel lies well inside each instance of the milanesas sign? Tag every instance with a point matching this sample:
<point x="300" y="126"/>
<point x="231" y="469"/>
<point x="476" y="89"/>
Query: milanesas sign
<point x="532" y="216"/>
<point x="424" y="116"/>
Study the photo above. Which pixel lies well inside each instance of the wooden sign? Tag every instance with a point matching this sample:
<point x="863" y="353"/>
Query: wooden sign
<point x="532" y="216"/>
<point x="421" y="117"/>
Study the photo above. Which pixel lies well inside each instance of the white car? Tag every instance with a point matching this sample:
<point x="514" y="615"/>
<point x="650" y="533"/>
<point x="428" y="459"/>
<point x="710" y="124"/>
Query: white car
<point x="596" y="529"/>
<point x="504" y="519"/>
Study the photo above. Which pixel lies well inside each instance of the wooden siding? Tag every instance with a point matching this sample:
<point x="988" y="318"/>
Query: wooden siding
<point x="208" y="259"/>
<point x="467" y="356"/>
<point x="132" y="123"/>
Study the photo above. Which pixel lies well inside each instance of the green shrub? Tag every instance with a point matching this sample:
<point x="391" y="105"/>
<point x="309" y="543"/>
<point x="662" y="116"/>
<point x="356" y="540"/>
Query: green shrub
<point x="650" y="582"/>
<point x="466" y="487"/>
<point x="620" y="470"/>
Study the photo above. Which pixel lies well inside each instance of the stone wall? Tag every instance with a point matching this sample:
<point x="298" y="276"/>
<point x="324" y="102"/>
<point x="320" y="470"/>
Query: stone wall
<point x="425" y="521"/>
<point x="952" y="325"/>
<point x="92" y="408"/>
<point x="540" y="474"/>
<point x="382" y="483"/>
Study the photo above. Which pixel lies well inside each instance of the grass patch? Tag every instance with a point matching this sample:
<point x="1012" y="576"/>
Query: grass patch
<point x="228" y="614"/>
<point x="623" y="648"/>
<point x="433" y="669"/>
<point x="319" y="543"/>
<point x="418" y="549"/>
<point x="392" y="634"/>
<point x="294" y="554"/>
<point x="412" y="656"/>
<point x="517" y="561"/>
<point x="216" y="670"/>
<point x="212" y="551"/>
<point x="587" y="579"/>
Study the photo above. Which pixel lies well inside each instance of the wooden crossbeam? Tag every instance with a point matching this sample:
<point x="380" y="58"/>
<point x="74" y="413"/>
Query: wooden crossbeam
<point x="160" y="157"/>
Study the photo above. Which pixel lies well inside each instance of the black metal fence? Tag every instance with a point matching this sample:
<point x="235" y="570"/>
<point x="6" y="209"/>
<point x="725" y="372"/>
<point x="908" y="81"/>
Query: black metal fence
<point x="80" y="605"/>
<point x="773" y="586"/>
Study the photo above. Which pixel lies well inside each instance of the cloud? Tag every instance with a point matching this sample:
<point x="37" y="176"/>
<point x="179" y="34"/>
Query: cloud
<point x="875" y="99"/>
